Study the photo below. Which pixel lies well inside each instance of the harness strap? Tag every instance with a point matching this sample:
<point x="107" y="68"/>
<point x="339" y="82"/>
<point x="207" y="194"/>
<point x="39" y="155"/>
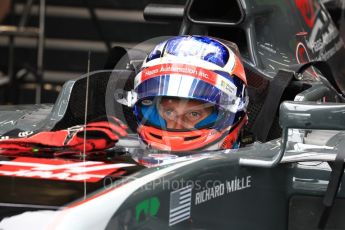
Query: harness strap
<point x="265" y="118"/>
<point x="277" y="86"/>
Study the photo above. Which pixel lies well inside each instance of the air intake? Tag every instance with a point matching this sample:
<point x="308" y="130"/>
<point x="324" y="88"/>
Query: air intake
<point x="215" y="12"/>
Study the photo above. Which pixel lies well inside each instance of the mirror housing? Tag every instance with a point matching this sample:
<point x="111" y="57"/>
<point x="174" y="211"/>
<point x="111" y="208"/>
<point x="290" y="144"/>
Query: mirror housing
<point x="312" y="115"/>
<point x="302" y="115"/>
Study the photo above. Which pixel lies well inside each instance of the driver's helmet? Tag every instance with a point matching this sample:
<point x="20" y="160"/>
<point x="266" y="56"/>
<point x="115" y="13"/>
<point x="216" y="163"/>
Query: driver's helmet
<point x="191" y="95"/>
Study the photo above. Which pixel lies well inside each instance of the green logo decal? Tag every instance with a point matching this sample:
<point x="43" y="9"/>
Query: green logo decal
<point x="149" y="207"/>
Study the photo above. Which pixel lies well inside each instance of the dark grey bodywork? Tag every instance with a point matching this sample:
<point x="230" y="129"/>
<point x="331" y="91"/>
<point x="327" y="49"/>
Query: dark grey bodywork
<point x="288" y="195"/>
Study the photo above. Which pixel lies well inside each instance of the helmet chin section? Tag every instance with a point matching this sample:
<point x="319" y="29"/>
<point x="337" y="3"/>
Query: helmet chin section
<point x="179" y="141"/>
<point x="205" y="139"/>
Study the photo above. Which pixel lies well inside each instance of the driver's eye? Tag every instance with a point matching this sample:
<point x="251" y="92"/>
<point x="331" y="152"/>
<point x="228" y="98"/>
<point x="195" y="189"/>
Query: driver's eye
<point x="194" y="115"/>
<point x="169" y="113"/>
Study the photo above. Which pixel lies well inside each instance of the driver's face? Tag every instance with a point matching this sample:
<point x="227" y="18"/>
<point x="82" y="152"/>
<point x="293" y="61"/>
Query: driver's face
<point x="183" y="113"/>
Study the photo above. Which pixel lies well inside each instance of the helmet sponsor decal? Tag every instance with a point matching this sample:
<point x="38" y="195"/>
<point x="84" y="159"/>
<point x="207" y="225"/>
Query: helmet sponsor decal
<point x="205" y="75"/>
<point x="185" y="69"/>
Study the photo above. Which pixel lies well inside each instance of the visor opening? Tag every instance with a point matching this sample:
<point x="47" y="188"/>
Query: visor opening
<point x="191" y="138"/>
<point x="156" y="136"/>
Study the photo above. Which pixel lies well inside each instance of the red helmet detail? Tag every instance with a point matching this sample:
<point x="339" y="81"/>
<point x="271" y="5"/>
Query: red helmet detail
<point x="179" y="141"/>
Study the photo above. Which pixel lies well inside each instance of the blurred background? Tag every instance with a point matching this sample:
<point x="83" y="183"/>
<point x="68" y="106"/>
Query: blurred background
<point x="49" y="41"/>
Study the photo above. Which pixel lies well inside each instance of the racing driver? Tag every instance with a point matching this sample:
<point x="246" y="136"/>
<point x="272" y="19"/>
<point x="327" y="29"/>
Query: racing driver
<point x="190" y="95"/>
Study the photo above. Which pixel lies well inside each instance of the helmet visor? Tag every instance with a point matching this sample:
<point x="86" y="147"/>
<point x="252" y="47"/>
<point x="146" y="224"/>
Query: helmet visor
<point x="180" y="114"/>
